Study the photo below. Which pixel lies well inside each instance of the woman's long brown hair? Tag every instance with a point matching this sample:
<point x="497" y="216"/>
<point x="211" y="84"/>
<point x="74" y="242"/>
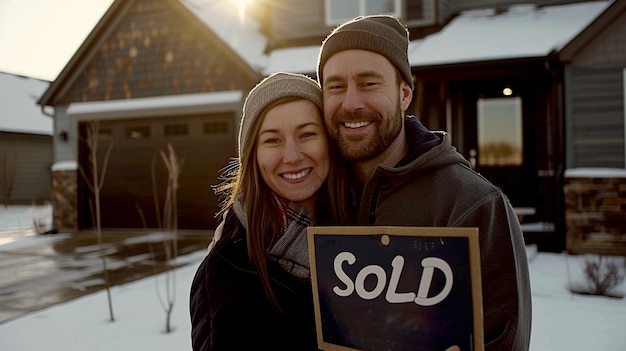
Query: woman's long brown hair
<point x="242" y="178"/>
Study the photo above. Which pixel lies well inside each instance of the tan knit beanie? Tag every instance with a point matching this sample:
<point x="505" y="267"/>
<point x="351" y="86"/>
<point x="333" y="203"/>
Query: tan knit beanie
<point x="271" y="89"/>
<point x="384" y="35"/>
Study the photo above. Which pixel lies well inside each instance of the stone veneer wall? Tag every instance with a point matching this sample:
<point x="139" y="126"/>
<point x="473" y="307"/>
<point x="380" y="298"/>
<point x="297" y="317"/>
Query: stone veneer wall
<point x="595" y="211"/>
<point x="65" y="199"/>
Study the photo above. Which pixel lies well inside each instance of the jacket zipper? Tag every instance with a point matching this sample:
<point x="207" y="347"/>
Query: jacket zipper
<point x="372" y="214"/>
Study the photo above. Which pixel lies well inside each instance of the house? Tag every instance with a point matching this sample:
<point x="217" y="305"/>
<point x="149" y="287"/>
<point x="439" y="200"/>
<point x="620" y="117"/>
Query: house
<point x="176" y="72"/>
<point x="153" y="73"/>
<point x="25" y="141"/>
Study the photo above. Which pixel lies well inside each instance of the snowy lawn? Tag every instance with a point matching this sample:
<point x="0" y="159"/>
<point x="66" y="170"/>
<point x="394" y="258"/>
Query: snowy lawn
<point x="561" y="320"/>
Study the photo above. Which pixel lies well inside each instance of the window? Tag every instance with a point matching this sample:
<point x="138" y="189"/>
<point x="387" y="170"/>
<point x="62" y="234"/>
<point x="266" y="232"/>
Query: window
<point x="178" y="129"/>
<point x="338" y="11"/>
<point x="215" y="128"/>
<point x="500" y="140"/>
<point x="139" y="132"/>
<point x="420" y="13"/>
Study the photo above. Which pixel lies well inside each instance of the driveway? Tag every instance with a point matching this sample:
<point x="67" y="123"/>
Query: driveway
<point x="39" y="271"/>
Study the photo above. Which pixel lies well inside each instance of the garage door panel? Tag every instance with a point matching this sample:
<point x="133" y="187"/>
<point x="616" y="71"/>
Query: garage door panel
<point x="129" y="182"/>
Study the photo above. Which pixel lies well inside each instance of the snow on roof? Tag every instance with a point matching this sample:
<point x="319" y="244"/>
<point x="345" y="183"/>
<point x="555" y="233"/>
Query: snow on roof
<point x="300" y="59"/>
<point x="242" y="35"/>
<point x="65" y="166"/>
<point x="19" y="111"/>
<point x="522" y="31"/>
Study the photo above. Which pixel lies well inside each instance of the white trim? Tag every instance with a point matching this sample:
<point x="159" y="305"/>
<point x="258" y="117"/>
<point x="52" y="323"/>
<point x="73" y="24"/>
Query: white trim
<point x="150" y="107"/>
<point x="595" y="172"/>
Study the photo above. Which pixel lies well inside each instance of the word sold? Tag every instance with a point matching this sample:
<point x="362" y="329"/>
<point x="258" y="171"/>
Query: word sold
<point x="392" y="295"/>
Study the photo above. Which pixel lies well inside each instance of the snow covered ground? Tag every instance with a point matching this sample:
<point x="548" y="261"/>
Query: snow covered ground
<point x="561" y="320"/>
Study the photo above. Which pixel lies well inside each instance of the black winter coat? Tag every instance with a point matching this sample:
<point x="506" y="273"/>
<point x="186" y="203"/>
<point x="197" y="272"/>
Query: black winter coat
<point x="231" y="311"/>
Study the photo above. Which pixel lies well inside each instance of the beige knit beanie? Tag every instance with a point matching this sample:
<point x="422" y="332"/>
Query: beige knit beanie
<point x="271" y="89"/>
<point x="384" y="35"/>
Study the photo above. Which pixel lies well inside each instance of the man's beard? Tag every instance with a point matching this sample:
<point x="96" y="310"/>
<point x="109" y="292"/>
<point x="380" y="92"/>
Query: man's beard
<point x="366" y="147"/>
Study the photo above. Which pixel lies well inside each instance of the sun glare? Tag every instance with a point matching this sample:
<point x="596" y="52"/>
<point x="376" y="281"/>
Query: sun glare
<point x="241" y="7"/>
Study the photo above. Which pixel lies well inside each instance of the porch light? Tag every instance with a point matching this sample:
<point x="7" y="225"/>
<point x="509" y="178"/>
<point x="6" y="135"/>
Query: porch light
<point x="507" y="91"/>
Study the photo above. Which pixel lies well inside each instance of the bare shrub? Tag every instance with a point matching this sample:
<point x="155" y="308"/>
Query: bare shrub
<point x="168" y="224"/>
<point x="39" y="225"/>
<point x="95" y="183"/>
<point x="603" y="274"/>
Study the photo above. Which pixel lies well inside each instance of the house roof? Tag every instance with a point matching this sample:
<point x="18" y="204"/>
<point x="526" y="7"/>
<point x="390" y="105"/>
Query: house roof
<point x="297" y="59"/>
<point x="520" y="32"/>
<point x="523" y="31"/>
<point x="19" y="111"/>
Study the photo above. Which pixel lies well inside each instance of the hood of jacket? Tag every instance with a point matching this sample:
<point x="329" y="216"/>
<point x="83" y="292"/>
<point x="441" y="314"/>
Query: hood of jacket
<point x="428" y="150"/>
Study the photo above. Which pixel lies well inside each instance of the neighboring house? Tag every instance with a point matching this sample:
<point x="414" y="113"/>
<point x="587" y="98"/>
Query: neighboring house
<point x="176" y="71"/>
<point x="25" y="141"/>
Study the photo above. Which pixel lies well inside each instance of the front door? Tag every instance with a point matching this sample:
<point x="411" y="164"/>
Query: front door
<point x="499" y="141"/>
<point x="510" y="128"/>
<point x="498" y="153"/>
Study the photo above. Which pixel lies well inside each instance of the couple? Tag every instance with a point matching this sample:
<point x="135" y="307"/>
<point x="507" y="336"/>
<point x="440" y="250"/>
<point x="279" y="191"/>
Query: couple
<point x="254" y="288"/>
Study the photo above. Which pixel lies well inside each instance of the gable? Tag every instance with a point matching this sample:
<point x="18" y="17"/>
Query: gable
<point x="608" y="48"/>
<point x="602" y="44"/>
<point x="151" y="48"/>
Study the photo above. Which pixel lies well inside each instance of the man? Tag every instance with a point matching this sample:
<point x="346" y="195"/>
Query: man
<point x="410" y="176"/>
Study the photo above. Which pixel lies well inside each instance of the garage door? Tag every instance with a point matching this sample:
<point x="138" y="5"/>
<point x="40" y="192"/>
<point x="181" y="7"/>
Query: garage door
<point x="204" y="143"/>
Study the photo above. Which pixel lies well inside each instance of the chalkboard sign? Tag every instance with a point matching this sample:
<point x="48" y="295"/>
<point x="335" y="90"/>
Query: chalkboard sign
<point x="396" y="288"/>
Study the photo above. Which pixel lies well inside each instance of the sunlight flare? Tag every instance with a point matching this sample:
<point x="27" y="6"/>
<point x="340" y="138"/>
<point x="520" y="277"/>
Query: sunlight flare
<point x="241" y="8"/>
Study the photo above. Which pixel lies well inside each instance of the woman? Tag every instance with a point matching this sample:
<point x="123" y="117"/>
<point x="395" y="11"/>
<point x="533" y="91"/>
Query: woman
<point x="253" y="288"/>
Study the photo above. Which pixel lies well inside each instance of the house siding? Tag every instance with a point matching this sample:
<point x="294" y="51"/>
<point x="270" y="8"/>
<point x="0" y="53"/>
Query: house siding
<point x="597" y="117"/>
<point x="292" y="19"/>
<point x="595" y="101"/>
<point x="303" y="22"/>
<point x="30" y="157"/>
<point x="64" y="150"/>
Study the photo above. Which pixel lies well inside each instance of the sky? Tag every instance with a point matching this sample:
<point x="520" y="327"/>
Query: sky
<point x="39" y="37"/>
<point x="561" y="320"/>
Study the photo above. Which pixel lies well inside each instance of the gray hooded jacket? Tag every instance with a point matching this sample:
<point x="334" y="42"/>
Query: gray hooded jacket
<point x="435" y="186"/>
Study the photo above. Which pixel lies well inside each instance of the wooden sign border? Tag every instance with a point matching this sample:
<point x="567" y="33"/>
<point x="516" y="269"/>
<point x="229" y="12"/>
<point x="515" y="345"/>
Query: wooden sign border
<point x="432" y="232"/>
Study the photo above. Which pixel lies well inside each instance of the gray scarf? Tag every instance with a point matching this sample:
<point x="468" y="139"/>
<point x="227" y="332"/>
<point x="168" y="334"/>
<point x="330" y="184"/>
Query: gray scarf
<point x="291" y="251"/>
